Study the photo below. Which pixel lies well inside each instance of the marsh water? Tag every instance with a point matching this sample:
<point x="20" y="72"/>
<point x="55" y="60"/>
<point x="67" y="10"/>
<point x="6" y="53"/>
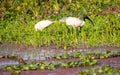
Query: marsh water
<point x="42" y="54"/>
<point x="29" y="53"/>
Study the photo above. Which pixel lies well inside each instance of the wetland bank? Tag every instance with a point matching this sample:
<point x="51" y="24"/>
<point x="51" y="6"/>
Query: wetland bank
<point x="57" y="49"/>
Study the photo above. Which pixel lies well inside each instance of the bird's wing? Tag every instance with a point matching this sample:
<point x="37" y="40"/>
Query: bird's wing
<point x="43" y="24"/>
<point x="73" y="21"/>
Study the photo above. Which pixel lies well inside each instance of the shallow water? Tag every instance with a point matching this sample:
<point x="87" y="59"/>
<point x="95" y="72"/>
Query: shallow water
<point x="113" y="62"/>
<point x="6" y="63"/>
<point x="34" y="54"/>
<point x="43" y="54"/>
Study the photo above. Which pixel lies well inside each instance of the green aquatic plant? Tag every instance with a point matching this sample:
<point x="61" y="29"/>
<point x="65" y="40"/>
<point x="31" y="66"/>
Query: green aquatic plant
<point x="32" y="65"/>
<point x="104" y="70"/>
<point x="81" y="59"/>
<point x="51" y="66"/>
<point x="76" y="54"/>
<point x="16" y="72"/>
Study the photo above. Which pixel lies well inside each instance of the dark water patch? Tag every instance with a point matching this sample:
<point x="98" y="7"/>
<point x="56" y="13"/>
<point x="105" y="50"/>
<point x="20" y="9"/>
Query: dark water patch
<point x="7" y="62"/>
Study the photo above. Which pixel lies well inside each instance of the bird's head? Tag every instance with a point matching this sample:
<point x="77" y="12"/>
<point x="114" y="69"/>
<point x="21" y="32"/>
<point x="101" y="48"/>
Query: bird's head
<point x="86" y="17"/>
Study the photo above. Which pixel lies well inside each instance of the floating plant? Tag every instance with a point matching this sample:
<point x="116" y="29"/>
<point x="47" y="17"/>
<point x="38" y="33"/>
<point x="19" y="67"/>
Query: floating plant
<point x="82" y="59"/>
<point x="104" y="70"/>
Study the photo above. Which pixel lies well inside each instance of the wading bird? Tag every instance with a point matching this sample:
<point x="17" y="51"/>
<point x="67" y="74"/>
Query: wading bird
<point x="43" y="24"/>
<point x="75" y="22"/>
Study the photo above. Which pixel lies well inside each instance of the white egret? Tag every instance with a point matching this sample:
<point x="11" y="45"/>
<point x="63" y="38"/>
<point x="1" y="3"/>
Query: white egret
<point x="43" y="24"/>
<point x="75" y="22"/>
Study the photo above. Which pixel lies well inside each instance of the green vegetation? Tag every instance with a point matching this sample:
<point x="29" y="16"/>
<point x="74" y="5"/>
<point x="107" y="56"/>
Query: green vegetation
<point x="75" y="55"/>
<point x="50" y="65"/>
<point x="88" y="55"/>
<point x="104" y="70"/>
<point x="80" y="59"/>
<point x="18" y="17"/>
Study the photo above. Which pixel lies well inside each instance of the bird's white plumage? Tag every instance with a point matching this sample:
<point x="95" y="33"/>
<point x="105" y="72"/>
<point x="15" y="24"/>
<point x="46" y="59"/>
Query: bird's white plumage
<point x="42" y="24"/>
<point x="73" y="21"/>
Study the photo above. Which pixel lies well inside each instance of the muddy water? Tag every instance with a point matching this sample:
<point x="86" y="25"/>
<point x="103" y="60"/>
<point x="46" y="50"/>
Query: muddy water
<point x="68" y="71"/>
<point x="42" y="54"/>
<point x="8" y="62"/>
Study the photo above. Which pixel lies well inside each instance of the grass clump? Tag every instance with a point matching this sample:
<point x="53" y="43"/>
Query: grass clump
<point x="19" y="17"/>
